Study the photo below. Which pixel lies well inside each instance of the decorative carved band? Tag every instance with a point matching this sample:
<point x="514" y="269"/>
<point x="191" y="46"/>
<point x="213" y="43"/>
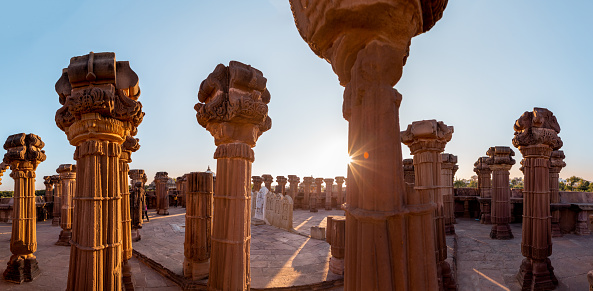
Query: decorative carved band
<point x="234" y="150"/>
<point x="97" y="148"/>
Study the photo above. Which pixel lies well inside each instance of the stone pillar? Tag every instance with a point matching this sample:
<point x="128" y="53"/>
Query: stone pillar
<point x="294" y="186"/>
<point x="99" y="110"/>
<point x="198" y="226"/>
<point x="556" y="165"/>
<point x="426" y="140"/>
<point x="317" y="195"/>
<point x="162" y="193"/>
<point x="49" y="191"/>
<point x="281" y="180"/>
<point x="335" y="236"/>
<point x="500" y="161"/>
<point x="447" y="178"/>
<point x="308" y="181"/>
<point x="138" y="201"/>
<point x="329" y="183"/>
<point x="68" y="176"/>
<point x="3" y="168"/>
<point x="408" y="165"/>
<point x="368" y="56"/>
<point x="536" y="136"/>
<point x="234" y="110"/>
<point x="57" y="200"/>
<point x="340" y="195"/>
<point x="268" y="179"/>
<point x="257" y="180"/>
<point x="484" y="188"/>
<point x="129" y="146"/>
<point x="23" y="156"/>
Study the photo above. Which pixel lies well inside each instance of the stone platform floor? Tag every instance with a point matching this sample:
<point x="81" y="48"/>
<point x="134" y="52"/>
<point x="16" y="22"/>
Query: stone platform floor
<point x="487" y="264"/>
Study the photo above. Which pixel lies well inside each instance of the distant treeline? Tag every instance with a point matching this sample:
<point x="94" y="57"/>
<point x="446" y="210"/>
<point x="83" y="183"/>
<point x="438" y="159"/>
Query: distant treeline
<point x="11" y="193"/>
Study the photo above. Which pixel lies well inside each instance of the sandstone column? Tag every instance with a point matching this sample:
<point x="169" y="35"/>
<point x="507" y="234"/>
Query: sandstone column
<point x="99" y="110"/>
<point x="556" y="165"/>
<point x="294" y="186"/>
<point x="340" y="195"/>
<point x="68" y="176"/>
<point x="49" y="191"/>
<point x="162" y="191"/>
<point x="308" y="181"/>
<point x="281" y="180"/>
<point x="426" y="140"/>
<point x="137" y="201"/>
<point x="129" y="146"/>
<point x="257" y="180"/>
<point x="23" y="156"/>
<point x="268" y="179"/>
<point x="408" y="165"/>
<point x="233" y="108"/>
<point x="485" y="188"/>
<point x="536" y="136"/>
<point x="447" y="169"/>
<point x="329" y="183"/>
<point x="500" y="161"/>
<point x="198" y="226"/>
<point x="57" y="200"/>
<point x="315" y="198"/>
<point x="368" y="56"/>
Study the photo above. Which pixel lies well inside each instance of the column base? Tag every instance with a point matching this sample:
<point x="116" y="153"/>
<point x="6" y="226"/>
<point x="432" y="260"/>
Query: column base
<point x="501" y="231"/>
<point x="313" y="210"/>
<point x="21" y="270"/>
<point x="196" y="270"/>
<point x="447" y="278"/>
<point x="55" y="221"/>
<point x="163" y="212"/>
<point x="537" y="275"/>
<point x="136" y="234"/>
<point x="64" y="239"/>
<point x="556" y="232"/>
<point x="582" y="228"/>
<point x="449" y="229"/>
<point x="126" y="277"/>
<point x="485" y="218"/>
<point x="336" y="266"/>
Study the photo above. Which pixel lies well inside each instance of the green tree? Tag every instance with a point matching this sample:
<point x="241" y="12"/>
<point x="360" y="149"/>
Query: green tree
<point x="460" y="183"/>
<point x="516" y="183"/>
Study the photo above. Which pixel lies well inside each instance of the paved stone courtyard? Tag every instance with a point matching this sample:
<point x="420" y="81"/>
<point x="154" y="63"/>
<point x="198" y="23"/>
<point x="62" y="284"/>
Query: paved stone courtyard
<point x="281" y="258"/>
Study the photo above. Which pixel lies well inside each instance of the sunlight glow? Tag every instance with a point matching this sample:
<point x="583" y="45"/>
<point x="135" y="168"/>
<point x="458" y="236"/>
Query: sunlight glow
<point x="492" y="280"/>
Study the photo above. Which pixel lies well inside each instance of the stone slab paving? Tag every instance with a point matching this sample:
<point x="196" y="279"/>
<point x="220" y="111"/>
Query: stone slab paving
<point x="304" y="219"/>
<point x="278" y="258"/>
<point x="487" y="264"/>
<point x="53" y="262"/>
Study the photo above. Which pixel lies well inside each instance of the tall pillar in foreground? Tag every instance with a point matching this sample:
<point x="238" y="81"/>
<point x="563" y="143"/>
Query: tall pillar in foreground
<point x="500" y="161"/>
<point x="308" y="181"/>
<point x="281" y="180"/>
<point x="340" y="195"/>
<point x="329" y="185"/>
<point x="23" y="156"/>
<point x="233" y="108"/>
<point x="449" y="163"/>
<point x="485" y="188"/>
<point x="294" y="186"/>
<point x="368" y="56"/>
<point x="57" y="200"/>
<point x="99" y="110"/>
<point x="426" y="140"/>
<point x="556" y="165"/>
<point x="198" y="226"/>
<point x="68" y="176"/>
<point x="129" y="146"/>
<point x="268" y="179"/>
<point x="536" y="136"/>
<point x="162" y="191"/>
<point x="137" y="202"/>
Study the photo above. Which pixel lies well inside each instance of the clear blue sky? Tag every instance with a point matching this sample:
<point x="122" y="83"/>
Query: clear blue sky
<point x="478" y="69"/>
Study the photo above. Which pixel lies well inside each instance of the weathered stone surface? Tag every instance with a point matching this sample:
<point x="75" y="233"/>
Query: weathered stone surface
<point x="281" y="187"/>
<point x="100" y="109"/>
<point x="162" y="192"/>
<point x="198" y="226"/>
<point x="536" y="136"/>
<point x="308" y="181"/>
<point x="329" y="184"/>
<point x="426" y="140"/>
<point x="23" y="154"/>
<point x="484" y="188"/>
<point x="340" y="195"/>
<point x="500" y="162"/>
<point x="137" y="201"/>
<point x="233" y="108"/>
<point x="68" y="178"/>
<point x="268" y="179"/>
<point x="315" y="198"/>
<point x="130" y="145"/>
<point x="556" y="165"/>
<point x="57" y="198"/>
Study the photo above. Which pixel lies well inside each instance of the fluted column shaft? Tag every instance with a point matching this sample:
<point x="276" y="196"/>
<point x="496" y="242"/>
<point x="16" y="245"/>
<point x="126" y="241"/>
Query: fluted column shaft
<point x="57" y="200"/>
<point x="556" y="165"/>
<point x="198" y="226"/>
<point x="68" y="178"/>
<point x="340" y="195"/>
<point x="308" y="181"/>
<point x="448" y="163"/>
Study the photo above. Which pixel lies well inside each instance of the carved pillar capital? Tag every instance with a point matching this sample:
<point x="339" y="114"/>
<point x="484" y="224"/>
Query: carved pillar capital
<point x="340" y="180"/>
<point x="427" y="135"/>
<point x="557" y="161"/>
<point x="500" y="158"/>
<point x="308" y="180"/>
<point x="24" y="153"/>
<point x="67" y="171"/>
